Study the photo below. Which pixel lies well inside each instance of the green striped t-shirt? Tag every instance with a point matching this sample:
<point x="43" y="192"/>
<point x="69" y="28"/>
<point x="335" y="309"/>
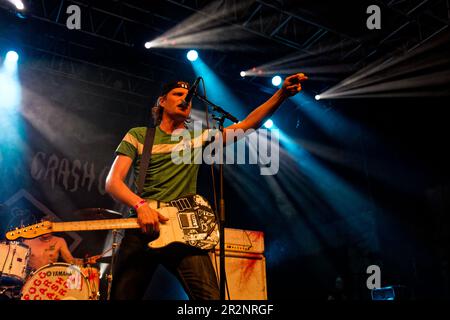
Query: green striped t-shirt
<point x="165" y="180"/>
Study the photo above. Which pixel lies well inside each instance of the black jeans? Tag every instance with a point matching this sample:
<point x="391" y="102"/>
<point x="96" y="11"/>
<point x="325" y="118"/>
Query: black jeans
<point x="136" y="263"/>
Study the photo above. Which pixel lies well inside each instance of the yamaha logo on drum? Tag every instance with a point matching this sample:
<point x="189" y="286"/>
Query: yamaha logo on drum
<point x="58" y="273"/>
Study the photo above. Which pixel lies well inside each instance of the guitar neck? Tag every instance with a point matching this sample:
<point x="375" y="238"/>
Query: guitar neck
<point x="108" y="224"/>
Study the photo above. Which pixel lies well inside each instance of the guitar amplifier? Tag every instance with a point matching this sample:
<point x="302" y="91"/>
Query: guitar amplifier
<point x="245" y="264"/>
<point x="243" y="241"/>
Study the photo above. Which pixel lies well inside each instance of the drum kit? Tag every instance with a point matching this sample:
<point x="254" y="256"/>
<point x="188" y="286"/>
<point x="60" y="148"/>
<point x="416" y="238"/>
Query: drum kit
<point x="55" y="281"/>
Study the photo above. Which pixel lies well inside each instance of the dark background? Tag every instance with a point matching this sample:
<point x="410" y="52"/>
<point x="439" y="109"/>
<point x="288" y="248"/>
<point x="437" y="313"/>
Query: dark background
<point x="82" y="90"/>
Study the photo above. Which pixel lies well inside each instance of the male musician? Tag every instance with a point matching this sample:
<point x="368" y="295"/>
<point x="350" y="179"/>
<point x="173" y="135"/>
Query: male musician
<point x="166" y="181"/>
<point x="48" y="248"/>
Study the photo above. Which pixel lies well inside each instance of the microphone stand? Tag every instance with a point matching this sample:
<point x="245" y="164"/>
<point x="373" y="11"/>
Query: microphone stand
<point x="216" y="108"/>
<point x="224" y="115"/>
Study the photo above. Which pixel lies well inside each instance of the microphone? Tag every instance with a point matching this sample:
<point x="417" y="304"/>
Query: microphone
<point x="191" y="92"/>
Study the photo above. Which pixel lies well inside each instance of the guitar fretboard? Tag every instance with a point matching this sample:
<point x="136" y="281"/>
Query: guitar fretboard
<point x="108" y="224"/>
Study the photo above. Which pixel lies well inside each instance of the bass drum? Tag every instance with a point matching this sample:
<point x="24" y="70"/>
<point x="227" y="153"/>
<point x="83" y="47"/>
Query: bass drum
<point x="57" y="281"/>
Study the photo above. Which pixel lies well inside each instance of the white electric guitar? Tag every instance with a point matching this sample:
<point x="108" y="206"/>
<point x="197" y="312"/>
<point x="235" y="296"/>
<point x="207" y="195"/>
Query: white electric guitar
<point x="191" y="221"/>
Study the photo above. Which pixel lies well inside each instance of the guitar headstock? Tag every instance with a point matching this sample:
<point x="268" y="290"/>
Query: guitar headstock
<point x="30" y="232"/>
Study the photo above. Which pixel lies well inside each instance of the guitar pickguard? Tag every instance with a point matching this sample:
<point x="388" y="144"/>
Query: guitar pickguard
<point x="197" y="221"/>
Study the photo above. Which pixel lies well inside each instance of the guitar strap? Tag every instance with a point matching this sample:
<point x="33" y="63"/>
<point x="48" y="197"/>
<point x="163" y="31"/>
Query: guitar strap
<point x="145" y="160"/>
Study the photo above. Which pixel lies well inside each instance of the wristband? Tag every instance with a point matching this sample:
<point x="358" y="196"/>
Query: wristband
<point x="139" y="204"/>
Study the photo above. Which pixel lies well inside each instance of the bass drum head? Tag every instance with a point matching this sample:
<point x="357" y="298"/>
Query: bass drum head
<point x="56" y="281"/>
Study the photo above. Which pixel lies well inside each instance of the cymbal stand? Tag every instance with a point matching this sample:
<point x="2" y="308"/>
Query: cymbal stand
<point x="113" y="257"/>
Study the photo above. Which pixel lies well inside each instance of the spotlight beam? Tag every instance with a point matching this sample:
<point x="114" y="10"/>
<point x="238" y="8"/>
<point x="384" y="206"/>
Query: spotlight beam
<point x="401" y="71"/>
<point x="241" y="6"/>
<point x="304" y="58"/>
<point x="211" y="14"/>
<point x="433" y="79"/>
<point x="311" y="62"/>
<point x="331" y="69"/>
<point x="422" y="93"/>
<point x="331" y="189"/>
<point x="221" y="37"/>
<point x="202" y="23"/>
<point x="222" y="95"/>
<point x="375" y="77"/>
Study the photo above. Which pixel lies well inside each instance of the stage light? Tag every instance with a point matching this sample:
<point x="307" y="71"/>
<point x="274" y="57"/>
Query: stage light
<point x="317" y="97"/>
<point x="276" y="81"/>
<point x="10" y="63"/>
<point x="148" y="45"/>
<point x="242" y="74"/>
<point x="268" y="124"/>
<point x="18" y="3"/>
<point x="12" y="57"/>
<point x="192" y="55"/>
<point x="10" y="91"/>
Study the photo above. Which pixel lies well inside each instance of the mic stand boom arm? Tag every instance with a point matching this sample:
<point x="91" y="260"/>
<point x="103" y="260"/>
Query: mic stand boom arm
<point x="216" y="108"/>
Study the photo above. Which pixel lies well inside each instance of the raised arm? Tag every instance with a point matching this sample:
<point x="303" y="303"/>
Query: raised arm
<point x="290" y="87"/>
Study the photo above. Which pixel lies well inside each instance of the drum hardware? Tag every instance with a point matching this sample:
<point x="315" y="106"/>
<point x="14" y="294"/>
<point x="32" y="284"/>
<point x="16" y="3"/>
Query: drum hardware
<point x="113" y="254"/>
<point x="107" y="259"/>
<point x="12" y="258"/>
<point x="101" y="213"/>
<point x="11" y="292"/>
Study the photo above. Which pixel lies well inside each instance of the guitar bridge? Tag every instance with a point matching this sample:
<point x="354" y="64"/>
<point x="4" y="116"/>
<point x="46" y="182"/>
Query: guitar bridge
<point x="188" y="220"/>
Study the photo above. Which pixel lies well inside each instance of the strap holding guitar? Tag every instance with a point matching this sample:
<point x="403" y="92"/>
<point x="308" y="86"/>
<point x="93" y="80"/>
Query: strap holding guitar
<point x="145" y="160"/>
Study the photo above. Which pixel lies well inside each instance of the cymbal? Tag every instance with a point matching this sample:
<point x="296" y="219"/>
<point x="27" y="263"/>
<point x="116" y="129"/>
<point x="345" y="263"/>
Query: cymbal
<point x="98" y="213"/>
